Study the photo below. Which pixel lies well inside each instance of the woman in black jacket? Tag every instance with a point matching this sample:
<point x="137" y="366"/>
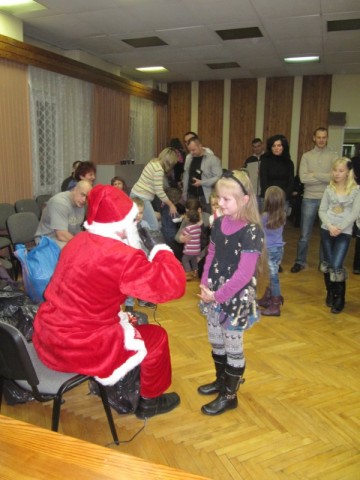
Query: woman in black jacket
<point x="277" y="168"/>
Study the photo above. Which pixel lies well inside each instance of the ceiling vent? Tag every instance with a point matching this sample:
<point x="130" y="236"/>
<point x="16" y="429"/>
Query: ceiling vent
<point x="145" y="42"/>
<point x="342" y="25"/>
<point x="220" y="66"/>
<point x="239" y="33"/>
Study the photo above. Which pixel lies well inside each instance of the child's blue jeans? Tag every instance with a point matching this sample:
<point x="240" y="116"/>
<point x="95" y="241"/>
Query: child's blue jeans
<point x="275" y="255"/>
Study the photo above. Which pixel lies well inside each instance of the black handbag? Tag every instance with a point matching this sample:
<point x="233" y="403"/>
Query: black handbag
<point x="124" y="396"/>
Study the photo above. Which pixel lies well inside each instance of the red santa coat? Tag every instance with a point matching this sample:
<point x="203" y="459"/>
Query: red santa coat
<point x="77" y="327"/>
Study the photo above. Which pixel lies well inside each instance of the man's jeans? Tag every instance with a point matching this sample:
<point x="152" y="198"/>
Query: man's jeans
<point x="309" y="212"/>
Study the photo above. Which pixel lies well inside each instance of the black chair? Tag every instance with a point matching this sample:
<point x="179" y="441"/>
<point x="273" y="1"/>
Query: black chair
<point x="19" y="362"/>
<point x="6" y="209"/>
<point x="27" y="205"/>
<point x="21" y="228"/>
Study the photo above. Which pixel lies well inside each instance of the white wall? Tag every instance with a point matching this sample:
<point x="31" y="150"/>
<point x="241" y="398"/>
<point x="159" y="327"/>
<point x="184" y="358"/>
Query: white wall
<point x="345" y="97"/>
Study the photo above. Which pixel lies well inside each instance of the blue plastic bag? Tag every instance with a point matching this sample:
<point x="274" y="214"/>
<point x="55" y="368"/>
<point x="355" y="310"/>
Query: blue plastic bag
<point x="38" y="266"/>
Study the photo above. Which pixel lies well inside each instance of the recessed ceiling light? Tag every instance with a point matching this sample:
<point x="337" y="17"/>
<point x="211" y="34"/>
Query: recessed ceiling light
<point x="20" y="6"/>
<point x="311" y="58"/>
<point x="152" y="69"/>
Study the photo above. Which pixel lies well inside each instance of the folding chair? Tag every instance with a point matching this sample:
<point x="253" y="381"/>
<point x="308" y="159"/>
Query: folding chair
<point x="27" y="205"/>
<point x="6" y="209"/>
<point x="19" y="362"/>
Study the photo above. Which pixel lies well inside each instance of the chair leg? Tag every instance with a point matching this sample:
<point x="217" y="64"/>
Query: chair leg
<point x="56" y="413"/>
<point x="1" y="390"/>
<point x="107" y="409"/>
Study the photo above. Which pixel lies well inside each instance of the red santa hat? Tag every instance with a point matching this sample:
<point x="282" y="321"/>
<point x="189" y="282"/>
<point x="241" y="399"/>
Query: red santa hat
<point x="110" y="211"/>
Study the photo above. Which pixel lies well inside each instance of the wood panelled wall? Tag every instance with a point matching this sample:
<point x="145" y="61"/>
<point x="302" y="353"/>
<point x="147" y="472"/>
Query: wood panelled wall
<point x="15" y="146"/>
<point x="278" y="112"/>
<point x="242" y="120"/>
<point x="278" y="106"/>
<point x="315" y="108"/>
<point x="211" y="114"/>
<point x="179" y="109"/>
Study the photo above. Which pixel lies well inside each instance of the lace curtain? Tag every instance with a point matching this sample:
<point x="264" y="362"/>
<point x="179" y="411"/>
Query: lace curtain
<point x="142" y="145"/>
<point x="61" y="113"/>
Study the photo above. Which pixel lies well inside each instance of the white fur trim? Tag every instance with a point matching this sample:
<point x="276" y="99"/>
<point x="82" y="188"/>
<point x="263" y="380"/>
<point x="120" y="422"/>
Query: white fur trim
<point x="131" y="343"/>
<point x="112" y="230"/>
<point x="159" y="248"/>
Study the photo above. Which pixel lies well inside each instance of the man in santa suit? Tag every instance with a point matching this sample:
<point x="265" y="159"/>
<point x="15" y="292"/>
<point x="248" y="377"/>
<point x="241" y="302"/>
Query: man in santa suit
<point x="80" y="326"/>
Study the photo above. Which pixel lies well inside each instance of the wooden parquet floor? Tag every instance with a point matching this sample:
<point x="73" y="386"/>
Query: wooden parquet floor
<point x="299" y="409"/>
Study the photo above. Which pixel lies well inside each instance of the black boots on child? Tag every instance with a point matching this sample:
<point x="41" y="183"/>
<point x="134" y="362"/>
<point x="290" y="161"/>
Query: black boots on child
<point x="227" y="383"/>
<point x="339" y="297"/>
<point x="335" y="288"/>
<point x="214" y="387"/>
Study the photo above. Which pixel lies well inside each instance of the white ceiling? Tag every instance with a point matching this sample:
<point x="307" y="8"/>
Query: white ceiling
<point x="289" y="27"/>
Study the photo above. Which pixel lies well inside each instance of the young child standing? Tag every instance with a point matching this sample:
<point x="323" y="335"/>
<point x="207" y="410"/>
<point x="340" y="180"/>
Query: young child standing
<point x="215" y="209"/>
<point x="273" y="221"/>
<point x="228" y="286"/>
<point x="192" y="248"/>
<point x="130" y="301"/>
<point x="339" y="208"/>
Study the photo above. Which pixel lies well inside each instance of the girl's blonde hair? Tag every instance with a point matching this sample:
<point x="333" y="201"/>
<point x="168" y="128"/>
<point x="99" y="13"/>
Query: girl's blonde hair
<point x="350" y="182"/>
<point x="238" y="184"/>
<point x="168" y="158"/>
<point x="274" y="206"/>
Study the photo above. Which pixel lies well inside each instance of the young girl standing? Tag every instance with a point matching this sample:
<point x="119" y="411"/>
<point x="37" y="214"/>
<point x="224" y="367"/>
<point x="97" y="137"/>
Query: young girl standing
<point x="228" y="286"/>
<point x="273" y="221"/>
<point x="192" y="248"/>
<point x="339" y="208"/>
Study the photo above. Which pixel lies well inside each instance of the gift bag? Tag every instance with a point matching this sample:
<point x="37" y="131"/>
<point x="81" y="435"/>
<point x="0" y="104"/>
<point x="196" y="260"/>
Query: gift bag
<point x="38" y="266"/>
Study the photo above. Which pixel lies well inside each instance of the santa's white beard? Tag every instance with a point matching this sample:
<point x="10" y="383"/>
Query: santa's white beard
<point x="132" y="234"/>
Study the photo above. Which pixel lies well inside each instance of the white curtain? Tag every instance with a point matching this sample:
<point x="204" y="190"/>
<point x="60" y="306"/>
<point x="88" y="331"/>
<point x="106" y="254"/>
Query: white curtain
<point x="142" y="130"/>
<point x="61" y="114"/>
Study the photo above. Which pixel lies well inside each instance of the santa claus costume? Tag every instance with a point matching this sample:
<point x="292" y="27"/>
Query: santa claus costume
<point x="80" y="327"/>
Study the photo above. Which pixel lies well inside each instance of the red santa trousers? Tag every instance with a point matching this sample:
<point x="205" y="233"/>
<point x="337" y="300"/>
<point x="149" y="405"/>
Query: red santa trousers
<point x="155" y="369"/>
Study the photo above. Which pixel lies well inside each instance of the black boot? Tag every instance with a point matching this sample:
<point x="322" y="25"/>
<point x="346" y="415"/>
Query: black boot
<point x="329" y="289"/>
<point x="227" y="399"/>
<point x="339" y="297"/>
<point x="214" y="387"/>
<point x="148" y="407"/>
<point x="356" y="263"/>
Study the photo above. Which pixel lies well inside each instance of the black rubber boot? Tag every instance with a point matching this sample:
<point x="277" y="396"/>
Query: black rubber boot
<point x="339" y="297"/>
<point x="214" y="387"/>
<point x="149" y="407"/>
<point x="227" y="399"/>
<point x="329" y="289"/>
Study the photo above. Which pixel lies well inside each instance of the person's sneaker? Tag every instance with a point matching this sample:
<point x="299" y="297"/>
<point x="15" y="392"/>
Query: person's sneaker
<point x="142" y="303"/>
<point x="280" y="269"/>
<point x="149" y="407"/>
<point x="297" y="267"/>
